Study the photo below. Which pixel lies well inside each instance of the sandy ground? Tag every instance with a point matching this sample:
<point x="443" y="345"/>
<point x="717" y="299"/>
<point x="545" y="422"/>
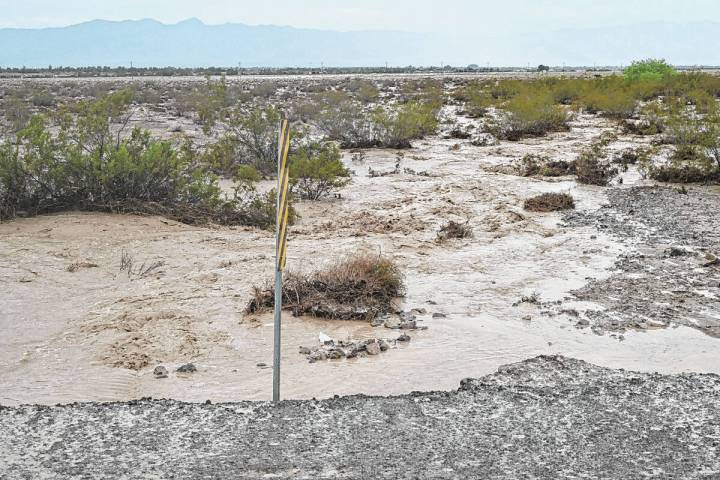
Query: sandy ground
<point x="545" y="418"/>
<point x="76" y="328"/>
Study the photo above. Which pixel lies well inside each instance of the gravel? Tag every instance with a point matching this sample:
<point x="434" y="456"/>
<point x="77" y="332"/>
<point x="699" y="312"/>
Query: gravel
<point x="549" y="417"/>
<point x="669" y="276"/>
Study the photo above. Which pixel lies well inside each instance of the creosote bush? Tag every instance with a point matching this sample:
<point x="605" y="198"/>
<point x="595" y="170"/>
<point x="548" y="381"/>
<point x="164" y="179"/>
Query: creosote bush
<point x="316" y="171"/>
<point x="354" y="126"/>
<point x="550" y="202"/>
<point x="530" y="116"/>
<point x="696" y="154"/>
<point x="250" y="138"/>
<point x="83" y="160"/>
<point x="358" y="287"/>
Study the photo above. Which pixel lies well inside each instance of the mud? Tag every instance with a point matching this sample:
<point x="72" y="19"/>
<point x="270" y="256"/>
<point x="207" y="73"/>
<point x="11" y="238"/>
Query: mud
<point x="544" y="418"/>
<point x="669" y="275"/>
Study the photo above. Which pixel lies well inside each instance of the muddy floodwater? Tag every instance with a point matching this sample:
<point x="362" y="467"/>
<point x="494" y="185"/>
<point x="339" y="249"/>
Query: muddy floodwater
<point x="77" y="328"/>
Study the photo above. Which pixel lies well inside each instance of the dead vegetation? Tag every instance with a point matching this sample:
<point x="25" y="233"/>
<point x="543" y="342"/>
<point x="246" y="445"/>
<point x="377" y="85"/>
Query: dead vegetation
<point x="539" y="165"/>
<point x="453" y="229"/>
<point x="550" y="202"/>
<point x="75" y="266"/>
<point x="358" y="287"/>
<point x="130" y="266"/>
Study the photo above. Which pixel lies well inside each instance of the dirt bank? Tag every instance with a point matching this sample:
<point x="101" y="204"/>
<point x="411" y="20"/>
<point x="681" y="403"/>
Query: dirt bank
<point x="544" y="418"/>
<point x="670" y="274"/>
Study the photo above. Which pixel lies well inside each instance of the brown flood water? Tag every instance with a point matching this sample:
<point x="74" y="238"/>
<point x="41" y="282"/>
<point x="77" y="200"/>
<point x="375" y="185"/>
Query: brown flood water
<point x="96" y="333"/>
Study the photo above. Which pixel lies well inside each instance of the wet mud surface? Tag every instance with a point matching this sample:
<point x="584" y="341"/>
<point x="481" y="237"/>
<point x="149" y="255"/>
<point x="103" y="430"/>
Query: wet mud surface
<point x="544" y="418"/>
<point x="671" y="273"/>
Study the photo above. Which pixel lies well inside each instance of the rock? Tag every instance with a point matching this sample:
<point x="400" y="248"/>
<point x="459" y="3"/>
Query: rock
<point x="583" y="322"/>
<point x="418" y="311"/>
<point x="317" y="355"/>
<point x="336" y="353"/>
<point x="677" y="252"/>
<point x="304" y="351"/>
<point x="160" y="372"/>
<point x="404" y="338"/>
<point x="438" y="315"/>
<point x="485" y="140"/>
<point x="261" y="365"/>
<point x="412" y="325"/>
<point x="324" y="339"/>
<point x="392" y="322"/>
<point x="187" y="368"/>
<point x="377" y="322"/>
<point x="373" y="348"/>
<point x="527" y="318"/>
<point x="712" y="260"/>
<point x="384" y="345"/>
<point x="407" y="317"/>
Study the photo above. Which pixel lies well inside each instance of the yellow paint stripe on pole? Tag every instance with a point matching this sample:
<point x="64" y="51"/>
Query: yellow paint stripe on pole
<point x="283" y="193"/>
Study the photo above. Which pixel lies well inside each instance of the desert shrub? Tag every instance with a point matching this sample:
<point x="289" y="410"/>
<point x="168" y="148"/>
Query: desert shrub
<point x="652" y="122"/>
<point x="316" y="171"/>
<point x="264" y="90"/>
<point x="631" y="156"/>
<point x="81" y="162"/>
<point x="696" y="170"/>
<point x="477" y="100"/>
<point x="696" y="156"/>
<point x="355" y="127"/>
<point x="250" y="139"/>
<point x="649" y="69"/>
<point x="549" y="202"/>
<point x="591" y="167"/>
<point x="614" y="103"/>
<point x="530" y="116"/>
<point x="567" y="91"/>
<point x="453" y="229"/>
<point x="350" y="125"/>
<point x="364" y="90"/>
<point x="43" y="98"/>
<point x="17" y="113"/>
<point x="533" y="164"/>
<point x="413" y="120"/>
<point x="247" y="173"/>
<point x="210" y="103"/>
<point x="704" y="102"/>
<point x="358" y="287"/>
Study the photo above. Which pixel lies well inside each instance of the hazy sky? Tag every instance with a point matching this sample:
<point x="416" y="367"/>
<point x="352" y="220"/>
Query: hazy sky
<point x="450" y="16"/>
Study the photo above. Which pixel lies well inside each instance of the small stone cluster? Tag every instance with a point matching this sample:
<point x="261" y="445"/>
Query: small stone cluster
<point x="330" y="349"/>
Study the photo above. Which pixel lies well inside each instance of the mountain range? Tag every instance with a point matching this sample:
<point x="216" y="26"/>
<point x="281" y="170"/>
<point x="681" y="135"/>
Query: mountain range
<point x="191" y="43"/>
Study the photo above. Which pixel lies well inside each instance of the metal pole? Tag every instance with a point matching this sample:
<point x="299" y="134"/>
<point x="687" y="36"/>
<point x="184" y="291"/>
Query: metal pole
<point x="278" y="281"/>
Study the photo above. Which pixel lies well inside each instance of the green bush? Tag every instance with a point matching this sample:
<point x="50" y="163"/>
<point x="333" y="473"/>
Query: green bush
<point x="696" y="157"/>
<point x="614" y="103"/>
<point x="350" y="125"/>
<point x="413" y="120"/>
<point x="84" y="162"/>
<point x="531" y="115"/>
<point x="355" y="127"/>
<point x="250" y="139"/>
<point x="316" y="171"/>
<point x="649" y="69"/>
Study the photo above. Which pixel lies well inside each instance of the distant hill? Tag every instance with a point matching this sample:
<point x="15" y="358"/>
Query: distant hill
<point x="193" y="44"/>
